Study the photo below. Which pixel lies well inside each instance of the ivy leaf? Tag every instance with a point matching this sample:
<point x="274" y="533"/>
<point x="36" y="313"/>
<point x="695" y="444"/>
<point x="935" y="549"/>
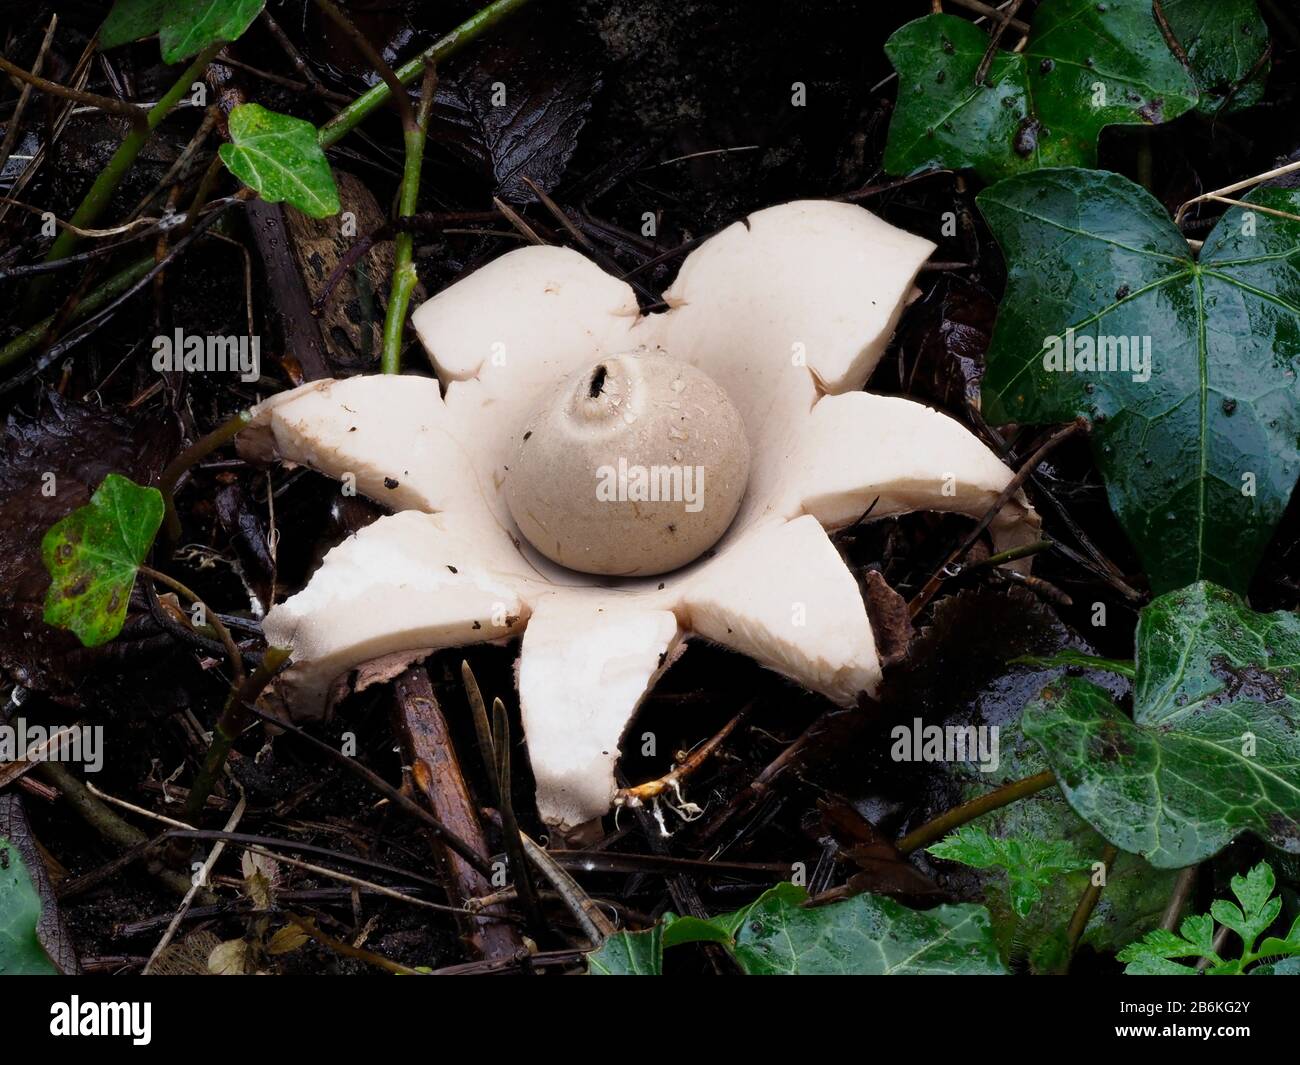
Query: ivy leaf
<point x="1031" y="864"/>
<point x="957" y="674"/>
<point x="867" y="935"/>
<point x="1086" y="66"/>
<point x="1213" y="747"/>
<point x="129" y="20"/>
<point x="189" y="26"/>
<point x="629" y="954"/>
<point x="1196" y="428"/>
<point x="278" y="157"/>
<point x="1226" y="43"/>
<point x="93" y="554"/>
<point x="21" y="953"/>
<point x="184" y="27"/>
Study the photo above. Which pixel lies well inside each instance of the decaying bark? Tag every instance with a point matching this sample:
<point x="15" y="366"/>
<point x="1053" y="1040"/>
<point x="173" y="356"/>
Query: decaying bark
<point x="427" y="742"/>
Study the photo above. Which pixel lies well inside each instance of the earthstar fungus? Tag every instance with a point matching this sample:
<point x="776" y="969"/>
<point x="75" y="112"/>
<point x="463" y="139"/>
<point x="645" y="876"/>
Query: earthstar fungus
<point x="786" y="314"/>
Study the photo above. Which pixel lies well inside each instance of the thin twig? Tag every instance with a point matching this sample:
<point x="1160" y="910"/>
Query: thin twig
<point x="15" y="120"/>
<point x="1004" y="497"/>
<point x="1237" y="186"/>
<point x="348" y="950"/>
<point x="231" y="824"/>
<point x="81" y="231"/>
<point x="988" y="11"/>
<point x="197" y="451"/>
<point x="1251" y="207"/>
<point x="1180" y="53"/>
<point x="102" y="103"/>
<point x="1083" y="912"/>
<point x="181" y="166"/>
<point x="299" y="63"/>
<point x="443" y="833"/>
<point x="1183" y="888"/>
<point x="516" y="219"/>
<point x="230" y="725"/>
<point x="1005" y="15"/>
<point x="223" y="633"/>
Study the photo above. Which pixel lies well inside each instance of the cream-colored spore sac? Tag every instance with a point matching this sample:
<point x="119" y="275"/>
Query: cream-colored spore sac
<point x="635" y="466"/>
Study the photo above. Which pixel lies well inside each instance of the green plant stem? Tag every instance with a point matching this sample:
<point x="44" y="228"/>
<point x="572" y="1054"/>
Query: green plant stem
<point x="404" y="274"/>
<point x="968" y="811"/>
<point x="373" y="57"/>
<point x="27" y="340"/>
<point x="200" y="449"/>
<point x="101" y="192"/>
<point x="1083" y="912"/>
<point x="233" y="720"/>
<point x="1012" y="554"/>
<point x="469" y="30"/>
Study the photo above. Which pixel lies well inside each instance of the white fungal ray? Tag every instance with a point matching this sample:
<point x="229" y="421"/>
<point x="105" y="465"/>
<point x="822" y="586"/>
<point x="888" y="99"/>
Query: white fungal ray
<point x="390" y="435"/>
<point x="895" y="456"/>
<point x="789" y="312"/>
<point x="409" y="582"/>
<point x="603" y="655"/>
<point x="782" y="595"/>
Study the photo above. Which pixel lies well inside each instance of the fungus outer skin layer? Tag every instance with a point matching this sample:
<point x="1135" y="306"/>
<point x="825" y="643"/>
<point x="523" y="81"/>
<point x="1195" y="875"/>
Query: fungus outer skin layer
<point x="789" y="312"/>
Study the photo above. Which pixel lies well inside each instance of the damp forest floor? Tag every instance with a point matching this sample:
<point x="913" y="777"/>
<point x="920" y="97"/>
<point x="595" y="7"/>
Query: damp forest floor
<point x="673" y="108"/>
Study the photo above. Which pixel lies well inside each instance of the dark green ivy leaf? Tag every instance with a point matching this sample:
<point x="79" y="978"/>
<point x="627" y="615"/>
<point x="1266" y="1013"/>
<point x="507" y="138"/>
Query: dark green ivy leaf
<point x="1226" y="44"/>
<point x="775" y="935"/>
<point x="1086" y="66"/>
<point x="1213" y="747"/>
<point x="21" y="953"/>
<point x="189" y="26"/>
<point x="184" y="27"/>
<point x="129" y="20"/>
<point x="1199" y="447"/>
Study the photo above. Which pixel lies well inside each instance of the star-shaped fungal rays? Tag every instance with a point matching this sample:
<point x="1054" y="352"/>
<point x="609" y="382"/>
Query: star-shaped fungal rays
<point x="788" y="311"/>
